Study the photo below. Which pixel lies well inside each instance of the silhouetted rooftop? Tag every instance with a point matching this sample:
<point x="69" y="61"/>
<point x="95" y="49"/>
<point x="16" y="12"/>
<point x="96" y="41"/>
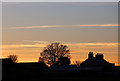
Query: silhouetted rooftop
<point x="98" y="60"/>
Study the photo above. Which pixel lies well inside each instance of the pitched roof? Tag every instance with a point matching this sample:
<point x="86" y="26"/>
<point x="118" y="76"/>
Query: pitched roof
<point x="96" y="61"/>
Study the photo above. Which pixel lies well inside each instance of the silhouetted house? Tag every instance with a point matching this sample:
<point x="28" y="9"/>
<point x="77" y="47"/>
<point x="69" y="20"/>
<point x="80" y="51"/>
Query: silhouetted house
<point x="6" y="62"/>
<point x="32" y="65"/>
<point x="97" y="61"/>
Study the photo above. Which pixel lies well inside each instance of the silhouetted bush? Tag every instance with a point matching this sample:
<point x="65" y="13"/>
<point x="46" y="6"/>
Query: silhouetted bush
<point x="13" y="58"/>
<point x="64" y="61"/>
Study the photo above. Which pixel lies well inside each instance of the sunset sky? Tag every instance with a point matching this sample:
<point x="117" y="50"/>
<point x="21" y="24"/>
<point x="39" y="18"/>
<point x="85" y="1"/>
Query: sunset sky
<point x="83" y="27"/>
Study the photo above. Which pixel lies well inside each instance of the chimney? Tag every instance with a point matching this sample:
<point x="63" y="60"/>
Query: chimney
<point x="99" y="55"/>
<point x="90" y="55"/>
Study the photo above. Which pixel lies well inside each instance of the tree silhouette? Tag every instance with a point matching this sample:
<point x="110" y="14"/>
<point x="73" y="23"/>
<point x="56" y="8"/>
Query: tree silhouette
<point x="13" y="58"/>
<point x="53" y="52"/>
<point x="77" y="62"/>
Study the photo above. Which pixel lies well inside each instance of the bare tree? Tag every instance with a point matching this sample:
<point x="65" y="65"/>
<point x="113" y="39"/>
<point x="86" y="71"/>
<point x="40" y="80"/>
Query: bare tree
<point x="77" y="62"/>
<point x="52" y="52"/>
<point x="13" y="58"/>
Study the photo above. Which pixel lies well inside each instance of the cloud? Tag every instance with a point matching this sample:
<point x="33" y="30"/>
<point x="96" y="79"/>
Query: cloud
<point x="102" y="25"/>
<point x="76" y="44"/>
<point x="33" y="45"/>
<point x="44" y="44"/>
<point x="92" y="44"/>
<point x="55" y="26"/>
<point x="23" y="45"/>
<point x="30" y="27"/>
<point x="40" y="42"/>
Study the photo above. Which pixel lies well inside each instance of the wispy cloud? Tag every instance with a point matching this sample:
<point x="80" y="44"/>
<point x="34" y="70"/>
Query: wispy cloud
<point x="76" y="43"/>
<point x="44" y="44"/>
<point x="30" y="27"/>
<point x="23" y="45"/>
<point x="55" y="26"/>
<point x="102" y="25"/>
<point x="92" y="44"/>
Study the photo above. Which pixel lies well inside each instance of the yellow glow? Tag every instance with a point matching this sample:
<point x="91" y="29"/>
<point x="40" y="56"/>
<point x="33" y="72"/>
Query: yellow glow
<point x="79" y="51"/>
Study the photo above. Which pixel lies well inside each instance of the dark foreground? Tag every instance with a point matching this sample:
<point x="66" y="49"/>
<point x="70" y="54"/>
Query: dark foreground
<point x="21" y="73"/>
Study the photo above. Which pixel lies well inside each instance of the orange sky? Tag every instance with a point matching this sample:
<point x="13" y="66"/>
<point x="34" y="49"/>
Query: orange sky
<point x="79" y="51"/>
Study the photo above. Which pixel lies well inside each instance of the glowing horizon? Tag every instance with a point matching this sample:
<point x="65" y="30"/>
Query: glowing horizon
<point x="79" y="51"/>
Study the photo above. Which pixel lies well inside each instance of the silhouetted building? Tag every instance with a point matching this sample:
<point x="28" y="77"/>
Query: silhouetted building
<point x="6" y="61"/>
<point x="97" y="61"/>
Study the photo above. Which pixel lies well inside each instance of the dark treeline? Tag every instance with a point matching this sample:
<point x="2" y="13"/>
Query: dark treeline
<point x="57" y="57"/>
<point x="39" y="71"/>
